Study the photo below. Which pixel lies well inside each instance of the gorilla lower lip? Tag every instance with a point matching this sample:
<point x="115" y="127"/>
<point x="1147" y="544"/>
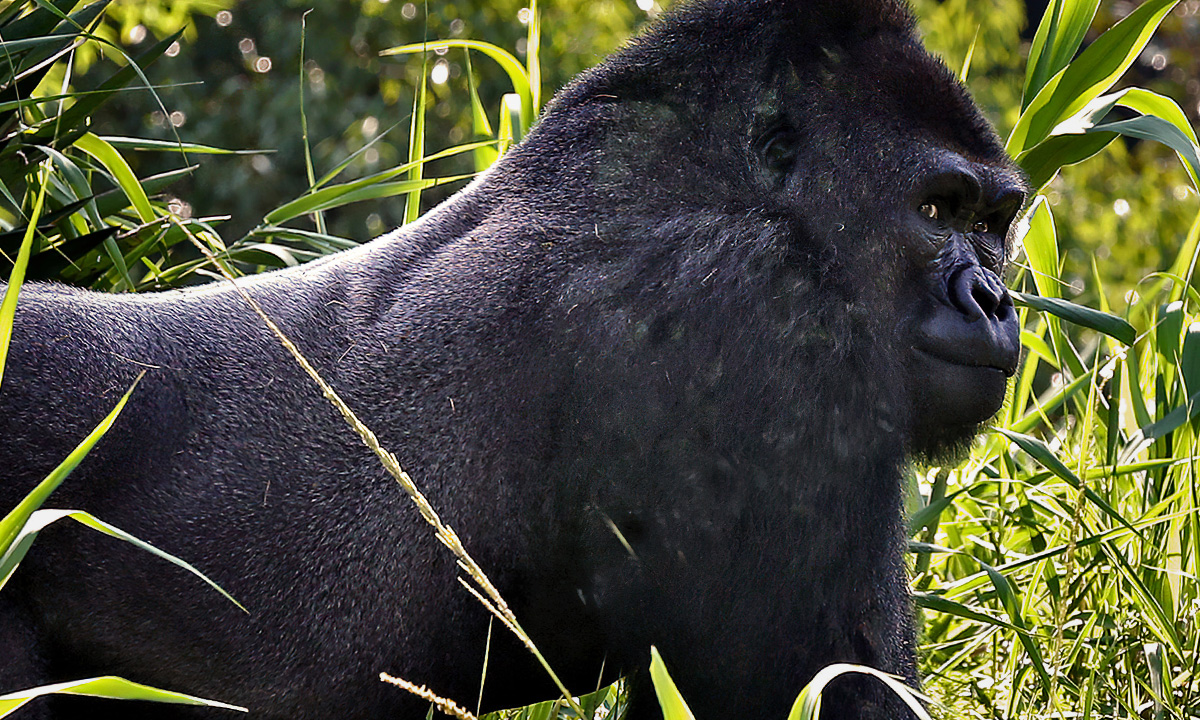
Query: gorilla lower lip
<point x="953" y="393"/>
<point x="949" y="361"/>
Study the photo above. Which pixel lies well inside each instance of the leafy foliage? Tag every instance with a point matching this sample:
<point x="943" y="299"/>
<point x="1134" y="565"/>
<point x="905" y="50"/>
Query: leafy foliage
<point x="1058" y="566"/>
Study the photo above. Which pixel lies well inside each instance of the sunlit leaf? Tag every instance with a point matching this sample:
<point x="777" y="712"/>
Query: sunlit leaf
<point x="672" y="703"/>
<point x="106" y="687"/>
<point x="1106" y="323"/>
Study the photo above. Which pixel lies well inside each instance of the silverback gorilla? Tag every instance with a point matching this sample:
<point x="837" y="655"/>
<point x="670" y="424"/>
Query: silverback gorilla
<point x="735" y="276"/>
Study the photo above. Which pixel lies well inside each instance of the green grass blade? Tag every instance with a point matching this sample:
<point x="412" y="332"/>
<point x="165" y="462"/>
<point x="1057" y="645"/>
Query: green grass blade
<point x="510" y="122"/>
<point x="1041" y="248"/>
<point x="339" y="195"/>
<point x="40" y="519"/>
<point x="672" y="703"/>
<point x="112" y="161"/>
<point x="1148" y="127"/>
<point x="480" y="126"/>
<point x="1174" y="419"/>
<point x="479" y="119"/>
<point x="68" y="170"/>
<point x="325" y="244"/>
<point x="517" y="74"/>
<point x="1043" y="161"/>
<point x="106" y="687"/>
<point x="937" y="603"/>
<point x="150" y="145"/>
<point x="533" y="67"/>
<point x="39" y="23"/>
<point x="416" y="148"/>
<point x="114" y="201"/>
<point x="1154" y="615"/>
<point x="113" y="251"/>
<point x="1011" y="602"/>
<point x="1048" y="405"/>
<point x="1039" y="451"/>
<point x="8" y="306"/>
<point x="1110" y="325"/>
<point x="926" y="515"/>
<point x="1189" y="360"/>
<point x="12" y="523"/>
<point x="808" y="704"/>
<point x="318" y="217"/>
<point x="1185" y="261"/>
<point x="72" y="123"/>
<point x="1148" y="102"/>
<point x="349" y="159"/>
<point x="303" y="205"/>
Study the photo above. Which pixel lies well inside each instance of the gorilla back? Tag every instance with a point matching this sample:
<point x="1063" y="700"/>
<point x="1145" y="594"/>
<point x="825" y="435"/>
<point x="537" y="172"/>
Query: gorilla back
<point x="660" y="367"/>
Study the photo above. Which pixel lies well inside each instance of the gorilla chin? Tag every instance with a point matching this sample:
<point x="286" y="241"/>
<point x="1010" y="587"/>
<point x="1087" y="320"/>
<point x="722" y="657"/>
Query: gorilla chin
<point x="948" y="412"/>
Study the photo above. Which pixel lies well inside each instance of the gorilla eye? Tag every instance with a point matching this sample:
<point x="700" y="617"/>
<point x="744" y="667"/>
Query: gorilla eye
<point x="930" y="211"/>
<point x="980" y="226"/>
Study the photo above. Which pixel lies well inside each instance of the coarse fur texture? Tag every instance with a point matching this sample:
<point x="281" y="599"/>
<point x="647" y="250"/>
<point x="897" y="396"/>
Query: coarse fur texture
<point x="734" y="277"/>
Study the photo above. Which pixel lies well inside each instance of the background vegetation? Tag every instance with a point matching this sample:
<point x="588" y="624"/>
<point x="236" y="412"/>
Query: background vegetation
<point x="1055" y="568"/>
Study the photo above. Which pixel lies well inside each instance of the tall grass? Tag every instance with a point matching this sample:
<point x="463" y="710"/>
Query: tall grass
<point x="1057" y="567"/>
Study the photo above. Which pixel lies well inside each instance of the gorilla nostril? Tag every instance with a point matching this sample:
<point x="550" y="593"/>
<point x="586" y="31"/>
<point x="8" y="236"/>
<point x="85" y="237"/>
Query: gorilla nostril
<point x="986" y="299"/>
<point x="1005" y="309"/>
<point x="976" y="293"/>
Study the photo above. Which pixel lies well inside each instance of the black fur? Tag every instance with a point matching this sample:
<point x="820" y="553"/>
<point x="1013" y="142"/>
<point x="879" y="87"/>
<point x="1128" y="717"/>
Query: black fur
<point x="685" y="307"/>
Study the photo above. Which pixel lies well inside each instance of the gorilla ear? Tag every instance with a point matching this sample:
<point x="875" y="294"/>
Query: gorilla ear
<point x="776" y="141"/>
<point x="777" y="148"/>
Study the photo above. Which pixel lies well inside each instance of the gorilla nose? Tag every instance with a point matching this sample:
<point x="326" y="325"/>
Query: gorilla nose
<point x="977" y="293"/>
<point x="975" y="325"/>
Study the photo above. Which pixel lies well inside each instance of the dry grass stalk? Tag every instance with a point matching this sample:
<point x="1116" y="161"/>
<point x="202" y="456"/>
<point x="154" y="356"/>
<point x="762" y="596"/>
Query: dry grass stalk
<point x="444" y="533"/>
<point x="448" y="707"/>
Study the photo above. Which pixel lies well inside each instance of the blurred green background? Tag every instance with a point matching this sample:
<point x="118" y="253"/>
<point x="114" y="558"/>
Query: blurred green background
<point x="237" y="85"/>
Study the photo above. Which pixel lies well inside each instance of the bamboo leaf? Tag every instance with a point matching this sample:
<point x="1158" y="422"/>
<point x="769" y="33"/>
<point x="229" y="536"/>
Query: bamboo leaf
<point x="1110" y="325"/>
<point x="1092" y="73"/>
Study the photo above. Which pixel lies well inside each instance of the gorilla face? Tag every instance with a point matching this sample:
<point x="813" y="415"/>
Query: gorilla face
<point x="901" y="186"/>
<point x="963" y="329"/>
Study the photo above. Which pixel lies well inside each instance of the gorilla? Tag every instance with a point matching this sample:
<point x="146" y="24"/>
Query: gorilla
<point x="661" y="367"/>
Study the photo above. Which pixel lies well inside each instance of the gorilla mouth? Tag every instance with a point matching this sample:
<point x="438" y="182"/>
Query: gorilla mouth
<point x="948" y="392"/>
<point x="962" y="360"/>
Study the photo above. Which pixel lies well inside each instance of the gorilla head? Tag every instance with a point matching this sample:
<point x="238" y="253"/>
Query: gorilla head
<point x="661" y="367"/>
<point x="879" y="177"/>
